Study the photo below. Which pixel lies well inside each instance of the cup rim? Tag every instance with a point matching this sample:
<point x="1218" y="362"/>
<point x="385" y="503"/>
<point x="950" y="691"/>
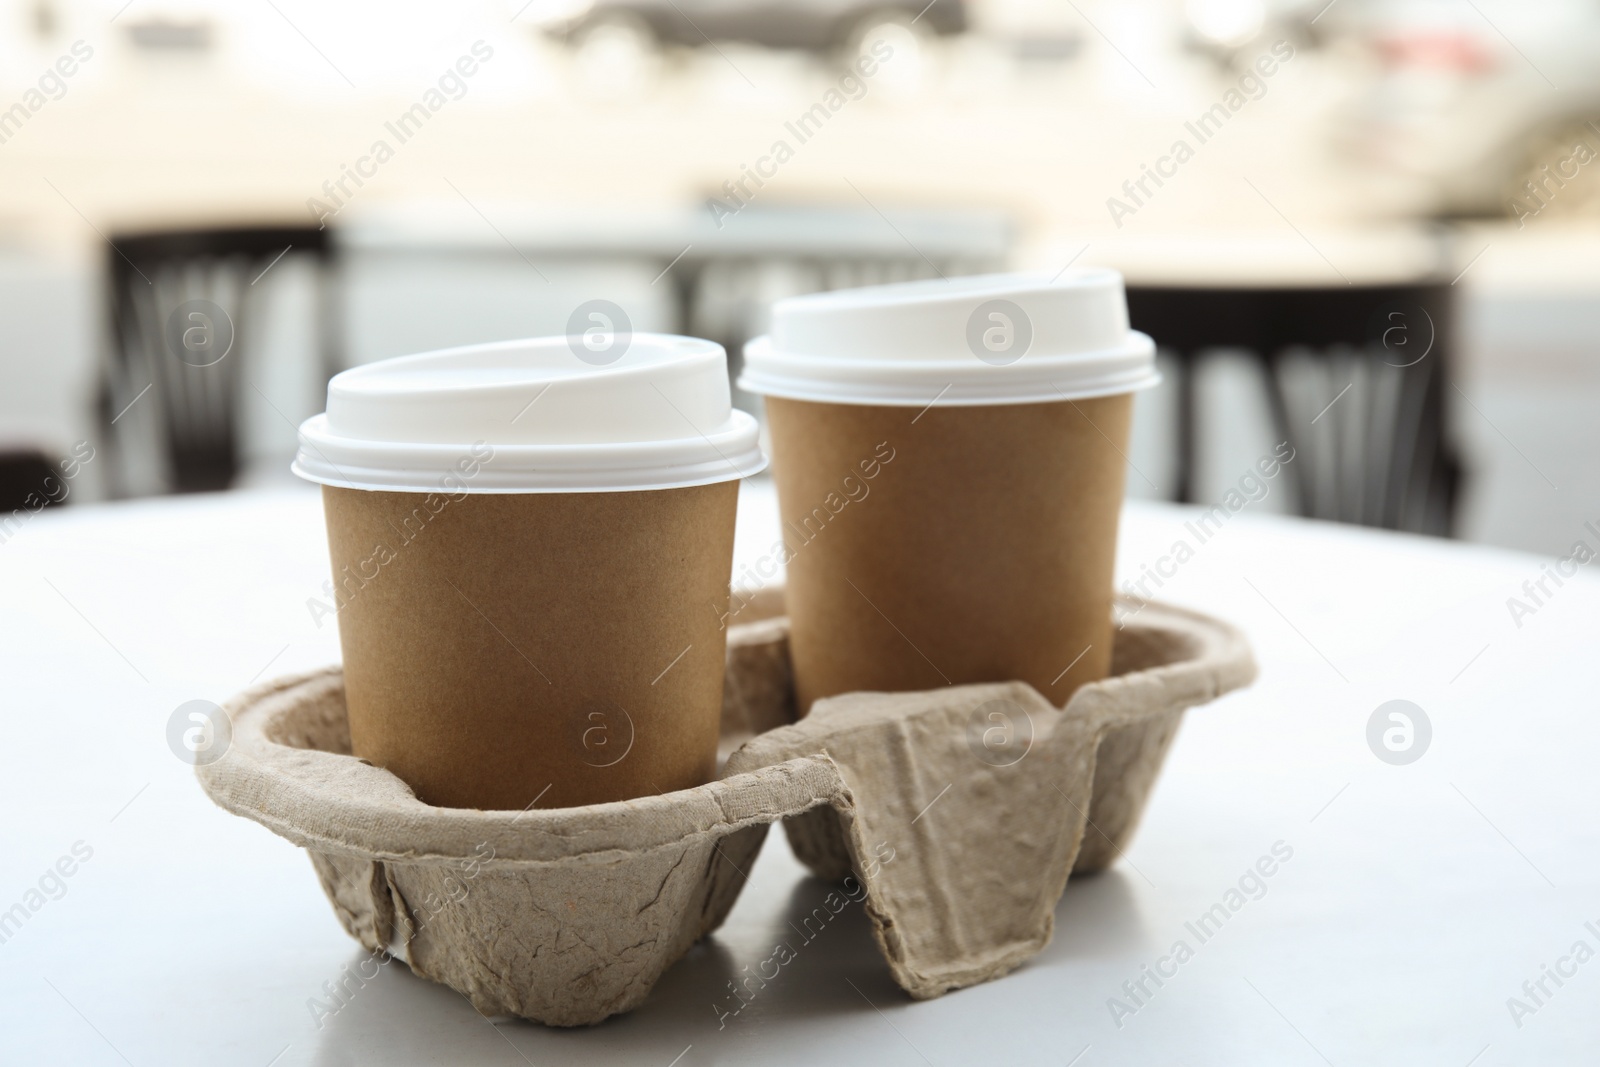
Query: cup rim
<point x="1128" y="368"/>
<point x="726" y="454"/>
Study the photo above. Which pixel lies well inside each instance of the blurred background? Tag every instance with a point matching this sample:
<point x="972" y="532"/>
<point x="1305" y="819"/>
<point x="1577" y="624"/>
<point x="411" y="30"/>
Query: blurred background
<point x="1368" y="229"/>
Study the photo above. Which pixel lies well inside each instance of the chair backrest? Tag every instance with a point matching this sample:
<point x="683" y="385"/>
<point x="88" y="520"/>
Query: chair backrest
<point x="28" y="482"/>
<point x="1356" y="377"/>
<point x="180" y="305"/>
<point x="1371" y="437"/>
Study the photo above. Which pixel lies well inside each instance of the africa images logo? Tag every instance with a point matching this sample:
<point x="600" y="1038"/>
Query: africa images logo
<point x="599" y="332"/>
<point x="1399" y="732"/>
<point x="999" y="332"/>
<point x="199" y="732"/>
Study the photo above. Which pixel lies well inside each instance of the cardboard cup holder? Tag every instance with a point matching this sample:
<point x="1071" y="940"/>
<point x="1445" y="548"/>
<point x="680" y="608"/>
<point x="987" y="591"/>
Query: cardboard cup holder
<point x="962" y="811"/>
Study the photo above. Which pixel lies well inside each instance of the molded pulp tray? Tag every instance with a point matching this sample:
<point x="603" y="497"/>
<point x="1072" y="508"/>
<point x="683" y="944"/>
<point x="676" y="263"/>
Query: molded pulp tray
<point x="568" y="916"/>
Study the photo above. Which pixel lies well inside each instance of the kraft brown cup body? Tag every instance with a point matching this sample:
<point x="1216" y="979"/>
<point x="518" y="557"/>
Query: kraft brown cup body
<point x="527" y="647"/>
<point x="981" y="551"/>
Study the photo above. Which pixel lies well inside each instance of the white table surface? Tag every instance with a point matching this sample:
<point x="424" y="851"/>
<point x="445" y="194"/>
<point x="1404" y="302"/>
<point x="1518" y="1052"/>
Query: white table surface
<point x="1418" y="900"/>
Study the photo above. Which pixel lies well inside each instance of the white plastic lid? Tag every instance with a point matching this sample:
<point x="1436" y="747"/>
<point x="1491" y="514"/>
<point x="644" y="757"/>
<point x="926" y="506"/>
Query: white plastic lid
<point x="989" y="339"/>
<point x="655" y="416"/>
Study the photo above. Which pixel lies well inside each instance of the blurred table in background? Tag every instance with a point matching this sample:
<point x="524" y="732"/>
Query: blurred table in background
<point x="437" y="274"/>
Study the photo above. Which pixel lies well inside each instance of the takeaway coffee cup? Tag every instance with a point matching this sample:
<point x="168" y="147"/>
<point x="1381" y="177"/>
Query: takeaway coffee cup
<point x="949" y="464"/>
<point x="531" y="551"/>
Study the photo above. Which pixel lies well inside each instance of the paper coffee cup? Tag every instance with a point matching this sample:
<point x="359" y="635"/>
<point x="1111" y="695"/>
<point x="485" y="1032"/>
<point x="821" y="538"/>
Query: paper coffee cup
<point x="531" y="548"/>
<point x="949" y="460"/>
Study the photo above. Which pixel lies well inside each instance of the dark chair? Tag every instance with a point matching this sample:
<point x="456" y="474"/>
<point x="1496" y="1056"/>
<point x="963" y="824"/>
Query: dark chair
<point x="1356" y="377"/>
<point x="28" y="482"/>
<point x="181" y="305"/>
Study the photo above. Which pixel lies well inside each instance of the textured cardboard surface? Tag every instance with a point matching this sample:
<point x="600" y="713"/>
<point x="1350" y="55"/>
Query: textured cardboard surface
<point x="949" y="546"/>
<point x="561" y="646"/>
<point x="1127" y="761"/>
<point x="568" y="916"/>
